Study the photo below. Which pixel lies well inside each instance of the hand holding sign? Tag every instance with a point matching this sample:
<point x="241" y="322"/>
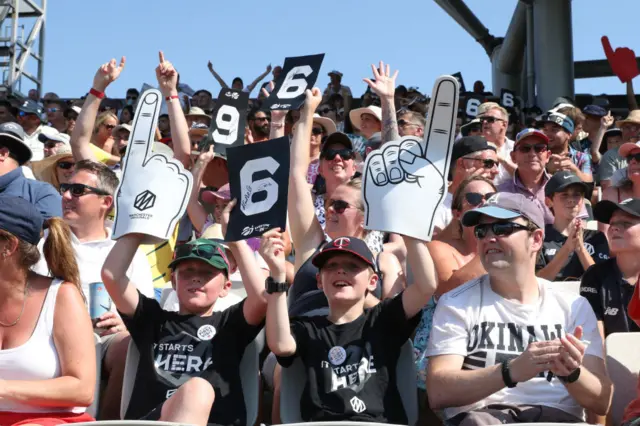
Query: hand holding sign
<point x="228" y="121"/>
<point x="405" y="180"/>
<point x="622" y="60"/>
<point x="154" y="190"/>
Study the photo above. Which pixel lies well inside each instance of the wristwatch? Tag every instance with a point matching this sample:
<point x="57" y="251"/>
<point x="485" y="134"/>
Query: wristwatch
<point x="575" y="375"/>
<point x="274" y="287"/>
<point x="506" y="376"/>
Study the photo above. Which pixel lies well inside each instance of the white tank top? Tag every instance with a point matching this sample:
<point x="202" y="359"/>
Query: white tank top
<point x="37" y="359"/>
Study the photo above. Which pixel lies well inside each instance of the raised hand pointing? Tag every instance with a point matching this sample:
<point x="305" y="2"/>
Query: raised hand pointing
<point x="107" y="74"/>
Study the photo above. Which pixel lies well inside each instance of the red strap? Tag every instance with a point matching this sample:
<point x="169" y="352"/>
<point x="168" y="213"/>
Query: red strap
<point x="96" y="93"/>
<point x="169" y="98"/>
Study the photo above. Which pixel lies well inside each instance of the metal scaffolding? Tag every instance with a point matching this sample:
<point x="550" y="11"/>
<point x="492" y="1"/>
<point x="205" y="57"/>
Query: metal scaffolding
<point x="22" y="35"/>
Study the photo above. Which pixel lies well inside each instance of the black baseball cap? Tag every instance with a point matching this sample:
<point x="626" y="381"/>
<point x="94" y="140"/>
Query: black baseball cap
<point x="595" y="110"/>
<point x="561" y="180"/>
<point x="349" y="245"/>
<point x="605" y="209"/>
<point x="468" y="145"/>
<point x="30" y="107"/>
<point x="339" y="138"/>
<point x="12" y="136"/>
<point x="20" y="218"/>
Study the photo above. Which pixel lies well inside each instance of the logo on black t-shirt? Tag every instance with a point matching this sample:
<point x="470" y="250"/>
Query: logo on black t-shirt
<point x="353" y="372"/>
<point x="357" y="404"/>
<point x="337" y="355"/>
<point x="206" y="332"/>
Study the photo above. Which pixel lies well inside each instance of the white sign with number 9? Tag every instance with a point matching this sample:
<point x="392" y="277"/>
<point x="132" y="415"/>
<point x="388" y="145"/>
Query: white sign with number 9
<point x="249" y="187"/>
<point x="472" y="107"/>
<point x="230" y="125"/>
<point x="290" y="82"/>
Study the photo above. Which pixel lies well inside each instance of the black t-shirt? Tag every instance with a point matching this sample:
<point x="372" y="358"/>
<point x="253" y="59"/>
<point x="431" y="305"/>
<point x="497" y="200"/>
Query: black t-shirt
<point x="351" y="368"/>
<point x="173" y="348"/>
<point x="609" y="295"/>
<point x="595" y="242"/>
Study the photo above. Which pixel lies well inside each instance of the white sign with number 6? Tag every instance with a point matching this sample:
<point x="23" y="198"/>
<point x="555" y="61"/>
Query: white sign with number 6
<point x="472" y="107"/>
<point x="298" y="74"/>
<point x="292" y="86"/>
<point x="250" y="187"/>
<point x="507" y="99"/>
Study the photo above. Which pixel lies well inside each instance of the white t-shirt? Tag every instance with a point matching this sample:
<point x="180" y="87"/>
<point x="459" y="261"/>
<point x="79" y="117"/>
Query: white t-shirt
<point x="474" y="322"/>
<point x="91" y="256"/>
<point x="505" y="152"/>
<point x="443" y="215"/>
<point x="37" y="147"/>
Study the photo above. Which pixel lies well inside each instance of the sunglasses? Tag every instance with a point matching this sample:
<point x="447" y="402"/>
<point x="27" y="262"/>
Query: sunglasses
<point x="326" y="110"/>
<point x="344" y="153"/>
<point x="80" y="189"/>
<point x="65" y="165"/>
<point x="261" y="119"/>
<point x="71" y="117"/>
<point x="50" y="144"/>
<point x="53" y="109"/>
<point x="635" y="156"/>
<point x="317" y="131"/>
<point x="109" y="126"/>
<point x="499" y="229"/>
<point x="132" y="97"/>
<point x="339" y="205"/>
<point x="405" y="123"/>
<point x="537" y="148"/>
<point x="204" y="251"/>
<point x="475" y="198"/>
<point x="489" y="120"/>
<point x="487" y="164"/>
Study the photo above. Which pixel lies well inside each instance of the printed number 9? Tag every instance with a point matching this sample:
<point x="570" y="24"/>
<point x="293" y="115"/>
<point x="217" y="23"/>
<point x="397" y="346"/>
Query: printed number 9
<point x="249" y="187"/>
<point x="231" y="125"/>
<point x="293" y="87"/>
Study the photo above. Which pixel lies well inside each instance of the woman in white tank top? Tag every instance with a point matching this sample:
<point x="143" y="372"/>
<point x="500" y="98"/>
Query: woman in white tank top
<point x="47" y="352"/>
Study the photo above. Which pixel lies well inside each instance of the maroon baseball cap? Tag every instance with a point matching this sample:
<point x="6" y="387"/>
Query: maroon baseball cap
<point x="349" y="245"/>
<point x="223" y="193"/>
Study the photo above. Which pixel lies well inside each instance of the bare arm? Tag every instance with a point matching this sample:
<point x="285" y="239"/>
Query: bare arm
<point x="306" y="232"/>
<point x="384" y="85"/>
<point x="631" y="96"/>
<point x="416" y="296"/>
<point x="278" y="117"/>
<point x="195" y="210"/>
<point x="393" y="279"/>
<point x="450" y="274"/>
<point x="593" y="389"/>
<point x="259" y="79"/>
<point x="123" y="292"/>
<point x="72" y="336"/>
<point x="216" y="76"/>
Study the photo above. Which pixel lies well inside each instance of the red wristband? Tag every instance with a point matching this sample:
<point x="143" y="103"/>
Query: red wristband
<point x="96" y="93"/>
<point x="169" y="98"/>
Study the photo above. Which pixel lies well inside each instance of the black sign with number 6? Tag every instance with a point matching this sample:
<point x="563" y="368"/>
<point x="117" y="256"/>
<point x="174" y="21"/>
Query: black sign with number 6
<point x="298" y="74"/>
<point x="227" y="121"/>
<point x="259" y="181"/>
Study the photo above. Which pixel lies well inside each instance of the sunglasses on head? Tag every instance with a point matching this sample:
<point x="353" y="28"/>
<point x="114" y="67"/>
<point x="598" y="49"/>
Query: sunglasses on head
<point x="317" y="130"/>
<point x="537" y="148"/>
<point x="489" y="119"/>
<point x="635" y="156"/>
<point x="475" y="198"/>
<point x="499" y="229"/>
<point x="339" y="206"/>
<point x="80" y="189"/>
<point x="344" y="153"/>
<point x="205" y="251"/>
<point x="65" y="165"/>
<point x="486" y="163"/>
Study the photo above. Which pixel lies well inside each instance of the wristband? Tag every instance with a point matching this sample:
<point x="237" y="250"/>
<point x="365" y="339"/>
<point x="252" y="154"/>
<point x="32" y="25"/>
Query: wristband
<point x="277" y="125"/>
<point x="98" y="94"/>
<point x="170" y="98"/>
<point x="574" y="376"/>
<point x="506" y="376"/>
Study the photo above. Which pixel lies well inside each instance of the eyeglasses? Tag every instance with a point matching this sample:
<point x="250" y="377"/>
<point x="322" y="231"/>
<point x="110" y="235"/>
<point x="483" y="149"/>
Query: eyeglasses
<point x="344" y="153"/>
<point x="132" y="97"/>
<point x="489" y="119"/>
<point x="109" y="126"/>
<point x="204" y="251"/>
<point x="537" y="148"/>
<point x="65" y="165"/>
<point x="486" y="163"/>
<point x="499" y="229"/>
<point x="53" y="109"/>
<point x="339" y="205"/>
<point x="51" y="144"/>
<point x="317" y="130"/>
<point x="261" y="119"/>
<point x="635" y="156"/>
<point x="80" y="189"/>
<point x="404" y="123"/>
<point x="324" y="111"/>
<point x="475" y="198"/>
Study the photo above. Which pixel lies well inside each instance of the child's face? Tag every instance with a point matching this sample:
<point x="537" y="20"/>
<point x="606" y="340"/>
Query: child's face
<point x="198" y="286"/>
<point x="568" y="203"/>
<point x="218" y="208"/>
<point x="346" y="278"/>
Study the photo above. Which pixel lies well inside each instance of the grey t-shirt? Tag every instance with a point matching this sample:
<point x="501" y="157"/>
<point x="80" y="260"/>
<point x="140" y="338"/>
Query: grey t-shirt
<point x="609" y="163"/>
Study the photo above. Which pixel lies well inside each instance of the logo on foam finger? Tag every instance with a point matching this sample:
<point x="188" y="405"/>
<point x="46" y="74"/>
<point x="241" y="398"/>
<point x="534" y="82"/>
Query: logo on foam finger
<point x="145" y="200"/>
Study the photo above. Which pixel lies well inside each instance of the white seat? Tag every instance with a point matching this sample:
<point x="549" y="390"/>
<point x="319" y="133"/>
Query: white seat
<point x="249" y="379"/>
<point x="568" y="286"/>
<point x="92" y="410"/>
<point x="294" y="379"/>
<point x="623" y="365"/>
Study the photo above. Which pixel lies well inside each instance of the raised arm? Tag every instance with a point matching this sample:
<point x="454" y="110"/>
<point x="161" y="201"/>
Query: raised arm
<point x="279" y="337"/>
<point x="114" y="274"/>
<point x="306" y="232"/>
<point x="81" y="135"/>
<point x="631" y="96"/>
<point x="605" y="123"/>
<point x="278" y="116"/>
<point x="384" y="85"/>
<point x="216" y="76"/>
<point x="259" y="79"/>
<point x="195" y="210"/>
<point x="416" y="296"/>
<point x="168" y="84"/>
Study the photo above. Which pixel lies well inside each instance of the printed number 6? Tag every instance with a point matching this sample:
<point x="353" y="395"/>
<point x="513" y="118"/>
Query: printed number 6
<point x="231" y="125"/>
<point x="293" y="87"/>
<point x="249" y="187"/>
<point x="507" y="100"/>
<point x="472" y="107"/>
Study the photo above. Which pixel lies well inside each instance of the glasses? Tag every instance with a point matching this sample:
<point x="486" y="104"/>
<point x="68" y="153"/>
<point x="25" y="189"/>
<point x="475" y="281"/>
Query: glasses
<point x="404" y="123"/>
<point x="80" y="189"/>
<point x="475" y="198"/>
<point x="324" y="111"/>
<point x="489" y="119"/>
<point x="109" y="126"/>
<point x="65" y="165"/>
<point x="73" y="117"/>
<point x="132" y="97"/>
<point x="261" y="119"/>
<point x="51" y="144"/>
<point x="499" y="229"/>
<point x="339" y="206"/>
<point x="537" y="148"/>
<point x="486" y="163"/>
<point x="635" y="156"/>
<point x="204" y="251"/>
<point x="317" y="131"/>
<point x="53" y="109"/>
<point x="344" y="153"/>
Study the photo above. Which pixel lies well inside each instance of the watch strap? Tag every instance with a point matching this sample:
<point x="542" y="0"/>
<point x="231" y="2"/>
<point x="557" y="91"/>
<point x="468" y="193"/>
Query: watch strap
<point x="506" y="375"/>
<point x="272" y="286"/>
<point x="573" y="377"/>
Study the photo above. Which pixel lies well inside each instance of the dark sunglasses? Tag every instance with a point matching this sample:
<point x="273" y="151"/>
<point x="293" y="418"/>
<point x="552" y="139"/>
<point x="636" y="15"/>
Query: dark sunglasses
<point x="489" y="120"/>
<point x="499" y="229"/>
<point x="339" y="205"/>
<point x="537" y="148"/>
<point x="326" y="110"/>
<point x="404" y="123"/>
<point x="487" y="164"/>
<point x="475" y="198"/>
<point x="53" y="109"/>
<point x="344" y="153"/>
<point x="261" y="119"/>
<point x="635" y="156"/>
<point x="65" y="165"/>
<point x="110" y="126"/>
<point x="317" y="131"/>
<point x="80" y="189"/>
<point x="132" y="97"/>
<point x="204" y="251"/>
<point x="51" y="144"/>
<point x="72" y="117"/>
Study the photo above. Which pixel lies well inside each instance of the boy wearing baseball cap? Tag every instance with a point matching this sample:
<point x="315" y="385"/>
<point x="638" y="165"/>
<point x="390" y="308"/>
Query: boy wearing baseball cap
<point x="568" y="249"/>
<point x="191" y="357"/>
<point x="350" y="355"/>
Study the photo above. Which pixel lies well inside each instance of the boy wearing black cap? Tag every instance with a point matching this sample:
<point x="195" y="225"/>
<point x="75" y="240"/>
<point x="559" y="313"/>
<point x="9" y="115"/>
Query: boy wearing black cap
<point x="190" y="357"/>
<point x="568" y="249"/>
<point x="609" y="286"/>
<point x="350" y="355"/>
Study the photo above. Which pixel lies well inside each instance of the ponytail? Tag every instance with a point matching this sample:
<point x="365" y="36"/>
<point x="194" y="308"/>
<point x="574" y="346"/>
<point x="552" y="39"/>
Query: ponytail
<point x="59" y="253"/>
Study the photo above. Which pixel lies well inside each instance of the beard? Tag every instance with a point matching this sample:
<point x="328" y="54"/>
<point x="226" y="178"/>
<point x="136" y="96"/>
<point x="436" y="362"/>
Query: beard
<point x="262" y="131"/>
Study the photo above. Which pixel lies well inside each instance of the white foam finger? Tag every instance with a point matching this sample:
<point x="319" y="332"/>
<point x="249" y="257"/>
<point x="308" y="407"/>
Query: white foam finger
<point x="441" y="122"/>
<point x="143" y="131"/>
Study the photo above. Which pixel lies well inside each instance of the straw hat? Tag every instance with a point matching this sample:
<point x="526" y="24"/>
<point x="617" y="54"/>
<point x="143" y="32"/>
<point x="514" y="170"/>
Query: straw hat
<point x="45" y="169"/>
<point x="196" y="112"/>
<point x="356" y="114"/>
<point x="327" y="124"/>
<point x="632" y="118"/>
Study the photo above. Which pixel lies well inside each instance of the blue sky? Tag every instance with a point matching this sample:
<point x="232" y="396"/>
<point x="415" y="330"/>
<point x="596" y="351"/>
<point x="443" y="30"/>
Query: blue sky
<point x="241" y="37"/>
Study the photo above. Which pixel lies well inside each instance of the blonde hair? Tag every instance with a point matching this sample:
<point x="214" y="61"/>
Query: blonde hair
<point x="102" y="117"/>
<point x="488" y="106"/>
